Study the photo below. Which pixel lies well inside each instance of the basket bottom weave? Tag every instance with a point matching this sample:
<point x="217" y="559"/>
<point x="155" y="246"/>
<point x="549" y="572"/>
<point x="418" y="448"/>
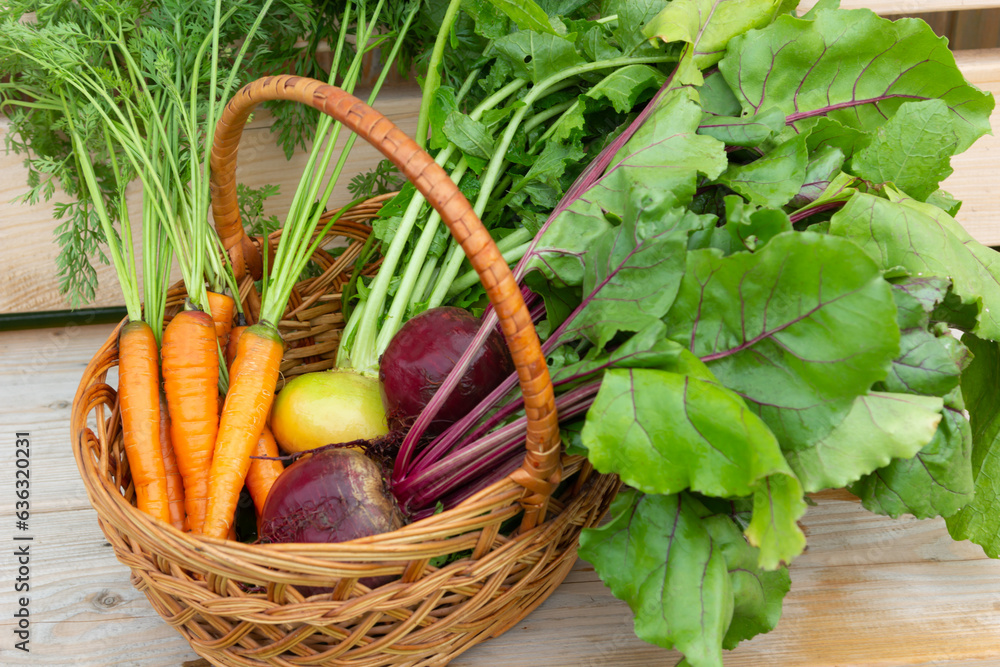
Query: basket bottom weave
<point x="425" y="657"/>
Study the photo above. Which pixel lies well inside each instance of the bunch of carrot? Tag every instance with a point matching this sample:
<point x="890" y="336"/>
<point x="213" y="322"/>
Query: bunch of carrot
<point x="194" y="480"/>
<point x="171" y="439"/>
<point x="130" y="92"/>
<point x="178" y="462"/>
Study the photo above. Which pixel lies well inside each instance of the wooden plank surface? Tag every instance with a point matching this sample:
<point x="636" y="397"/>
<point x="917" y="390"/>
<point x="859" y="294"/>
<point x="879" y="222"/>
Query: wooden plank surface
<point x="974" y="180"/>
<point x="868" y="591"/>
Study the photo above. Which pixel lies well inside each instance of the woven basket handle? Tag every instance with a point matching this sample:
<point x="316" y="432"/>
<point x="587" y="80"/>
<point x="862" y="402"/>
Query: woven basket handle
<point x="541" y="470"/>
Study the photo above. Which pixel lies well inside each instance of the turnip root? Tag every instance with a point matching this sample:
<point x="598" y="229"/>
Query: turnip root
<point x="327" y="407"/>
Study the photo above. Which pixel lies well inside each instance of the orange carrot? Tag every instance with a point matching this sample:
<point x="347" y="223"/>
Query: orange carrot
<point x="175" y="483"/>
<point x="138" y="392"/>
<point x="263" y="472"/>
<point x="191" y="383"/>
<point x="234" y="336"/>
<point x="251" y="391"/>
<point x="222" y="306"/>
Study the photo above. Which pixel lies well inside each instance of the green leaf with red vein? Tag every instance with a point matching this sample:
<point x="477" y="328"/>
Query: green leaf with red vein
<point x="936" y="482"/>
<point x="799" y="329"/>
<point x="666" y="155"/>
<point x="657" y="555"/>
<point x="632" y="271"/>
<point x="880" y="426"/>
<point x="687" y="573"/>
<point x="927" y="242"/>
<point x="929" y="362"/>
<point x="744" y="130"/>
<point x="774" y="178"/>
<point x="664" y="432"/>
<point x="708" y="25"/>
<point x="853" y="67"/>
<point x="912" y="150"/>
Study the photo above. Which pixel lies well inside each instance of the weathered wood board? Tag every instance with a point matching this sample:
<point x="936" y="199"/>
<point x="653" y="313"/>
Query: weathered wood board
<point x="868" y="591"/>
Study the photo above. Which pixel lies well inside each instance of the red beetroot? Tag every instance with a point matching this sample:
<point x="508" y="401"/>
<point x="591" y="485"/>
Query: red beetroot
<point x="419" y="358"/>
<point x="334" y="495"/>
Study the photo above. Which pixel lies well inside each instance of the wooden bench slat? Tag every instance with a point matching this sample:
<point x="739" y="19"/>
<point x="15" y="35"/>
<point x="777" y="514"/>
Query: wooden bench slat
<point x="975" y="179"/>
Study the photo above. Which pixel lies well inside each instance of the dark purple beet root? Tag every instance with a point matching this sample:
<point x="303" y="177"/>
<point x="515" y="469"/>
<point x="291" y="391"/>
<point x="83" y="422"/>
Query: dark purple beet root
<point x="419" y="358"/>
<point x="334" y="495"/>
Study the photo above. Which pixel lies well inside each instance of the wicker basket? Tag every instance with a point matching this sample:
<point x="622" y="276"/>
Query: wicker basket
<point x="236" y="603"/>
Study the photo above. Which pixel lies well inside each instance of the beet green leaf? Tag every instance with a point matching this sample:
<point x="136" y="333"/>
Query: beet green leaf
<point x="708" y="25"/>
<point x="773" y="179"/>
<point x="774" y="528"/>
<point x="927" y="242"/>
<point x="979" y="521"/>
<point x="648" y="348"/>
<point x="665" y="156"/>
<point x="799" y="329"/>
<point x="746" y="131"/>
<point x="757" y="593"/>
<point x="879" y="427"/>
<point x="632" y="271"/>
<point x="657" y="555"/>
<point x="853" y="67"/>
<point x="665" y="153"/>
<point x="928" y="362"/>
<point x="912" y="150"/>
<point x="664" y="432"/>
<point x="824" y="166"/>
<point x="687" y="573"/>
<point x="936" y="482"/>
<point x="747" y="227"/>
<point x="829" y="133"/>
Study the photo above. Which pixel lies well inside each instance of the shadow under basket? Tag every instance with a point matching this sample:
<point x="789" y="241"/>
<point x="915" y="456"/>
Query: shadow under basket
<point x="457" y="578"/>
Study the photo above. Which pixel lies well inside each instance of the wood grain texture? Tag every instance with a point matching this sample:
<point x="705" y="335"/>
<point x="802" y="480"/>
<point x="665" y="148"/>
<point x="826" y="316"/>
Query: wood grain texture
<point x="975" y="177"/>
<point x="868" y="590"/>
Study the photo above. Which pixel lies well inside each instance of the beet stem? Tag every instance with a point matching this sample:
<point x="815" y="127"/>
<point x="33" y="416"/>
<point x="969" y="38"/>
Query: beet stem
<point x="592" y="174"/>
<point x="466" y="464"/>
